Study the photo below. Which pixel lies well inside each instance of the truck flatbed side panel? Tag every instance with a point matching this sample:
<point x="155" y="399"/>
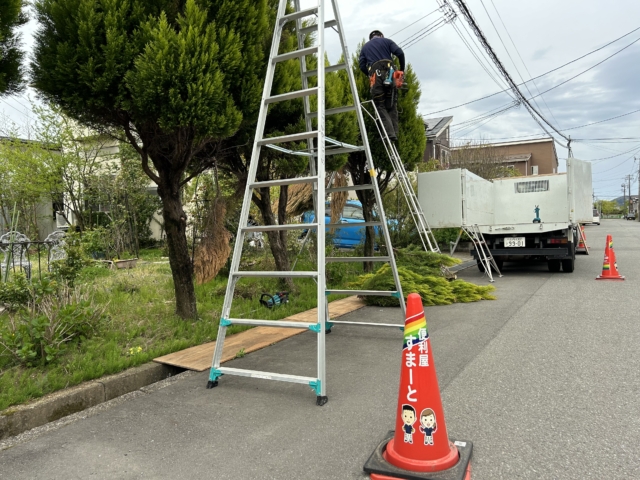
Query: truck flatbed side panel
<point x="479" y="200"/>
<point x="582" y="190"/>
<point x="440" y="196"/>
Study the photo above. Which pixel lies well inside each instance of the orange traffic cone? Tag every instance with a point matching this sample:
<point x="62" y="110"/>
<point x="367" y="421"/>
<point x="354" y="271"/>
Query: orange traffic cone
<point x="420" y="447"/>
<point x="582" y="246"/>
<point x="610" y="265"/>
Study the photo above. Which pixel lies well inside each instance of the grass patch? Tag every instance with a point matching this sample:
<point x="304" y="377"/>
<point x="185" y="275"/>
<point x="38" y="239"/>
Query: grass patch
<point x="141" y="325"/>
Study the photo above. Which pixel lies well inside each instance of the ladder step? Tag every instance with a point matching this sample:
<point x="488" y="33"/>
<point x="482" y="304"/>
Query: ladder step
<point x="277" y="228"/>
<point x="296" y="15"/>
<point x="378" y="258"/>
<point x="314" y="28"/>
<point x="284" y="181"/>
<point x="353" y="225"/>
<point x="287" y="274"/>
<point x="369" y="293"/>
<point x="270" y="323"/>
<point x="334" y="111"/>
<point x="296" y="137"/>
<point x="368" y="186"/>
<point x="329" y="69"/>
<point x="291" y="95"/>
<point x="295" y="54"/>
<point x="340" y="151"/>
<point x="267" y="375"/>
<point x="368" y="324"/>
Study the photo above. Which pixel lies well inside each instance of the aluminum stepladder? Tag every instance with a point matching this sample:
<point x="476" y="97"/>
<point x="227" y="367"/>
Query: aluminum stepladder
<point x="482" y="250"/>
<point x="424" y="230"/>
<point x="318" y="146"/>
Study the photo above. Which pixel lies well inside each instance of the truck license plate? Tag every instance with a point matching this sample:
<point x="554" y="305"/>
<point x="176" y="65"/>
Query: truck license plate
<point x="514" y="242"/>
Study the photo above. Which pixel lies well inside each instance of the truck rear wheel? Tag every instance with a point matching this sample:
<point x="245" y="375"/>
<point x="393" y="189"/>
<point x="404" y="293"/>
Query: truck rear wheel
<point x="554" y="265"/>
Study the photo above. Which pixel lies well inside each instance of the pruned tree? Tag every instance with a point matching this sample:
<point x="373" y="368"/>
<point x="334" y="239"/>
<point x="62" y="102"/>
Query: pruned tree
<point x="411" y="144"/>
<point x="176" y="77"/>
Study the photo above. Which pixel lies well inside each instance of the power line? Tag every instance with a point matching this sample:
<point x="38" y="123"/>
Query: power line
<point x="539" y="76"/>
<point x="537" y="116"/>
<point x="412" y="24"/>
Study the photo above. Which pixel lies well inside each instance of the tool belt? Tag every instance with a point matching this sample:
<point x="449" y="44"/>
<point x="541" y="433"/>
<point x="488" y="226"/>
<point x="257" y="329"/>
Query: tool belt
<point x="380" y="80"/>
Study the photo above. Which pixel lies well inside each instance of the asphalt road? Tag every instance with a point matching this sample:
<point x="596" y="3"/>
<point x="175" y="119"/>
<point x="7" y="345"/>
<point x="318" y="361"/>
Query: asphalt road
<point x="544" y="381"/>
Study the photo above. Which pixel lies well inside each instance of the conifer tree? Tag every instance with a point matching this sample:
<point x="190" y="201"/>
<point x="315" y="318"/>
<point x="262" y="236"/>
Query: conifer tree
<point x="175" y="77"/>
<point x="11" y="18"/>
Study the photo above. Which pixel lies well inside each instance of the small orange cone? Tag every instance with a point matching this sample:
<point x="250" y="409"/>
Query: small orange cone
<point x="582" y="246"/>
<point x="610" y="265"/>
<point x="420" y="447"/>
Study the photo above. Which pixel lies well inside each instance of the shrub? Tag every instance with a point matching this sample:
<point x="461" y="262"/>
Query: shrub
<point x="39" y="333"/>
<point x="67" y="270"/>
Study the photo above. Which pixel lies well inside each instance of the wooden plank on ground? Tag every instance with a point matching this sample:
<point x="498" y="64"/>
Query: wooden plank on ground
<point x="198" y="358"/>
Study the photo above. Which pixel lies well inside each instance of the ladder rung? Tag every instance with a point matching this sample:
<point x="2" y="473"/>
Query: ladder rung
<point x="296" y="15"/>
<point x="267" y="375"/>
<point x="295" y="137"/>
<point x="339" y="151"/>
<point x="378" y="258"/>
<point x="291" y="95"/>
<point x="368" y="324"/>
<point x="334" y="111"/>
<point x="277" y="228"/>
<point x="284" y="181"/>
<point x="329" y="69"/>
<point x="352" y="225"/>
<point x="288" y="274"/>
<point x="370" y="293"/>
<point x="313" y="28"/>
<point x="270" y="323"/>
<point x="368" y="186"/>
<point x="295" y="54"/>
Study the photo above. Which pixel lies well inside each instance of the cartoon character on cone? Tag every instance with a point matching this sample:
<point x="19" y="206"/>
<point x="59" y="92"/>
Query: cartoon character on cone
<point x="409" y="418"/>
<point x="428" y="425"/>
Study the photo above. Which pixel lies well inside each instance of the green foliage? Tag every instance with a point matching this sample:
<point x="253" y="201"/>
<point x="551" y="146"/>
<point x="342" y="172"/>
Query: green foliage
<point x="419" y="273"/>
<point x="12" y="17"/>
<point x="42" y="332"/>
<point x="15" y="293"/>
<point x="76" y="259"/>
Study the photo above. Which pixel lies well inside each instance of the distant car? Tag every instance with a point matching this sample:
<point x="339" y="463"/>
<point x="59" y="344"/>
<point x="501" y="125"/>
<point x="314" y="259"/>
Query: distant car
<point x="350" y="235"/>
<point x="596" y="217"/>
<point x="630" y="216"/>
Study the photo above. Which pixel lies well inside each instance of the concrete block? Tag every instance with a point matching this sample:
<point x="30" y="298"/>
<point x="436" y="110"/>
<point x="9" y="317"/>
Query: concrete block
<point x="135" y="378"/>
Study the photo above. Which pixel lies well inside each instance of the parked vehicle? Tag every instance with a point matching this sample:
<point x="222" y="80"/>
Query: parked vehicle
<point x="596" y="217"/>
<point x="519" y="217"/>
<point x="351" y="234"/>
<point x="630" y="216"/>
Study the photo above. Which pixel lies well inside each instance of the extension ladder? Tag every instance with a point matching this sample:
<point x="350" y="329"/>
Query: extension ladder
<point x="318" y="147"/>
<point x="482" y="250"/>
<point x="424" y="230"/>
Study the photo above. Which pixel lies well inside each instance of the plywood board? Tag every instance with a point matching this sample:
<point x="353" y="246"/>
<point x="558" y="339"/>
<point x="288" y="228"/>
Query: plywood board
<point x="199" y="358"/>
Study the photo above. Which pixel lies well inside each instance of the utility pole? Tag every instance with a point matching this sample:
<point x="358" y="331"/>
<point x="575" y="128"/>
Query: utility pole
<point x="624" y="197"/>
<point x="638" y="204"/>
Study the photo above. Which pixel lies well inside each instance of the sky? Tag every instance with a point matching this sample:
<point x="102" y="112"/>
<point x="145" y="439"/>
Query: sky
<point x="530" y="38"/>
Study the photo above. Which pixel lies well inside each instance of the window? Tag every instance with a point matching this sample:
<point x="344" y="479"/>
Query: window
<point x="534" y="169"/>
<point x="531" y="187"/>
<point x="352" y="212"/>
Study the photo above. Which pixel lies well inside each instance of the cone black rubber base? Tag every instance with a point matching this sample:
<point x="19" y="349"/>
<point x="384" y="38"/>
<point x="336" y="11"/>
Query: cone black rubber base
<point x="377" y="464"/>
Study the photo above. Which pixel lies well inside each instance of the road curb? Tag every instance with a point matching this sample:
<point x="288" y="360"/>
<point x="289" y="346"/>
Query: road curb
<point x="51" y="407"/>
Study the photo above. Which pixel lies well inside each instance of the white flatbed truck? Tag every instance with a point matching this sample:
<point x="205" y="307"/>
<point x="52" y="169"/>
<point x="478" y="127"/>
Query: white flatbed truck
<point x="519" y="217"/>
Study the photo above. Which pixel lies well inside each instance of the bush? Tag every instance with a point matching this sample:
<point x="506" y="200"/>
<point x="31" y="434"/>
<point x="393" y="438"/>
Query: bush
<point x="67" y="270"/>
<point x="53" y="319"/>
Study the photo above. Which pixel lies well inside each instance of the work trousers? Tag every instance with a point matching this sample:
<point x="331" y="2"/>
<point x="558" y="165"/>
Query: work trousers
<point x="385" y="97"/>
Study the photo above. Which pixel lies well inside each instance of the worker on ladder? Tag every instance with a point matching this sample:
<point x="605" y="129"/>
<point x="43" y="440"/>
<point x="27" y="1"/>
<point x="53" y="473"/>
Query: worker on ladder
<point x="376" y="62"/>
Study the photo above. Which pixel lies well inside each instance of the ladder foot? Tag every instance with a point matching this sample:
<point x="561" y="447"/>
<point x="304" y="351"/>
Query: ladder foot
<point x="328" y="330"/>
<point x="211" y="384"/>
<point x="321" y="400"/>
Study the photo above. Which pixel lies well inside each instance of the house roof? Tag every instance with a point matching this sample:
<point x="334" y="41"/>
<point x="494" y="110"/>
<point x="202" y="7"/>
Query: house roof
<point x="433" y="127"/>
<point x="522" y="157"/>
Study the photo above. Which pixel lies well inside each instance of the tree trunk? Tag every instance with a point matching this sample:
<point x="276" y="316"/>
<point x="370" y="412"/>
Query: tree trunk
<point x="277" y="239"/>
<point x="175" y="224"/>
